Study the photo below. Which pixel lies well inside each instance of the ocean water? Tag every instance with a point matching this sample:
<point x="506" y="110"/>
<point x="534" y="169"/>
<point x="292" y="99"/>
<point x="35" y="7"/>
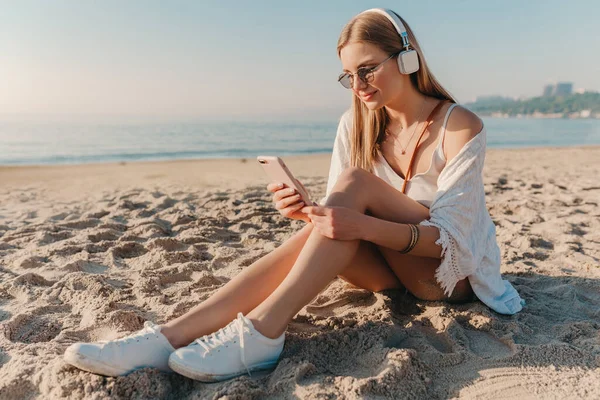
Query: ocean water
<point x="70" y="143"/>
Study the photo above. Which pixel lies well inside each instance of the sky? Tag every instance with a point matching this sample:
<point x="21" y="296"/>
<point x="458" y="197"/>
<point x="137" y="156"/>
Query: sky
<point x="270" y="59"/>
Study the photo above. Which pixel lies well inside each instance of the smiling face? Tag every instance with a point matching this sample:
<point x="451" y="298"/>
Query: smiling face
<point x="387" y="83"/>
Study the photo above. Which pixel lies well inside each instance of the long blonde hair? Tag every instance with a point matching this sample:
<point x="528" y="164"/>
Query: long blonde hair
<point x="368" y="128"/>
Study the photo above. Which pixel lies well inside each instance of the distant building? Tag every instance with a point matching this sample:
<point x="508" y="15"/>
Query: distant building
<point x="560" y="89"/>
<point x="563" y="89"/>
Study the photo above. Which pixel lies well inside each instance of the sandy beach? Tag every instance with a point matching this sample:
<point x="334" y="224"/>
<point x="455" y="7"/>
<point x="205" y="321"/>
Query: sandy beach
<point x="90" y="252"/>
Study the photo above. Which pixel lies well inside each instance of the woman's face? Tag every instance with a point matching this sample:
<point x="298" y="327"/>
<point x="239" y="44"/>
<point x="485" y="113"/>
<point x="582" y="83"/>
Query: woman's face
<point x="387" y="83"/>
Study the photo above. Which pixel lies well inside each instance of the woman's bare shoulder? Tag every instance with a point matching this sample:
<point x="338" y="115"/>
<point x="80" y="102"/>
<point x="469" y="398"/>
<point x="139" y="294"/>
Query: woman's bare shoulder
<point x="462" y="126"/>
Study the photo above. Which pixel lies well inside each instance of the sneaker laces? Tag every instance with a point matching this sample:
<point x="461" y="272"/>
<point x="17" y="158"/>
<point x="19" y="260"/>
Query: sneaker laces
<point x="231" y="331"/>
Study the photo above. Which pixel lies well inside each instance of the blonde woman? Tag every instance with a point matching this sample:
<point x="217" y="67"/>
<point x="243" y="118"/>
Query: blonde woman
<point x="404" y="208"/>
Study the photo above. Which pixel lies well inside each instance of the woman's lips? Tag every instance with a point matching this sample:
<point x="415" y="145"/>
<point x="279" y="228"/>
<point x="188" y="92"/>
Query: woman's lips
<point x="368" y="96"/>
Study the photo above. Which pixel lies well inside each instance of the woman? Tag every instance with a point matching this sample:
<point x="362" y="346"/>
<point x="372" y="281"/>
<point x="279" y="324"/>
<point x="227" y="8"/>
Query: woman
<point x="365" y="229"/>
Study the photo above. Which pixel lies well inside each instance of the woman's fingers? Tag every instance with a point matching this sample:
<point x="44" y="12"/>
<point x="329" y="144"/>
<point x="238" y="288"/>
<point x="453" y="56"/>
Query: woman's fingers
<point x="287" y="201"/>
<point x="275" y="186"/>
<point x="288" y="211"/>
<point x="283" y="194"/>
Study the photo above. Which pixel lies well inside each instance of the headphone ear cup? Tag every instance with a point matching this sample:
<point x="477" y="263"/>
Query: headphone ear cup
<point x="408" y="62"/>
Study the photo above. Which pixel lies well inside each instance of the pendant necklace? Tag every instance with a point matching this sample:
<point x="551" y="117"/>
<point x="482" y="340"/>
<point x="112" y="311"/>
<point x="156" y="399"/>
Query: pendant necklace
<point x="404" y="148"/>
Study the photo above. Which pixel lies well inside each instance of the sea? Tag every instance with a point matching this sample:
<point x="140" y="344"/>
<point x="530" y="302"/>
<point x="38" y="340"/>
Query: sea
<point x="47" y="143"/>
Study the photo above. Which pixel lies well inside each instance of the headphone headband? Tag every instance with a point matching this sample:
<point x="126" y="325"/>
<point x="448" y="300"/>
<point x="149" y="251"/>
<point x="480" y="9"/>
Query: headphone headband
<point x="408" y="59"/>
<point x="391" y="16"/>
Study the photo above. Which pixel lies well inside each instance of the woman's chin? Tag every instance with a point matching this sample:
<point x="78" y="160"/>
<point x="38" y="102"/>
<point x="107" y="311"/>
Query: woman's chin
<point x="373" y="105"/>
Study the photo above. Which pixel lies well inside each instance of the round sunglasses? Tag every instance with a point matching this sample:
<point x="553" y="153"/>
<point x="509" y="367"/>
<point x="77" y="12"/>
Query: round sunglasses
<point x="365" y="74"/>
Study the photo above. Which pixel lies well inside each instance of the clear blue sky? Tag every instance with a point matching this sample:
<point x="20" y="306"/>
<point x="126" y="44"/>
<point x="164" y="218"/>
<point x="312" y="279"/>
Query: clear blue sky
<point x="259" y="59"/>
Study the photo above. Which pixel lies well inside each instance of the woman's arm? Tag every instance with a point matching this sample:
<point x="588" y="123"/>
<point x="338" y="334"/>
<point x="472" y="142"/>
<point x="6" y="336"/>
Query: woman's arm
<point x="396" y="236"/>
<point x="462" y="126"/>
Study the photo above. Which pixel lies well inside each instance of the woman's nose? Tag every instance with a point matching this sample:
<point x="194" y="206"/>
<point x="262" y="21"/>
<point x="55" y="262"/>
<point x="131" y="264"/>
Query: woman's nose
<point x="357" y="84"/>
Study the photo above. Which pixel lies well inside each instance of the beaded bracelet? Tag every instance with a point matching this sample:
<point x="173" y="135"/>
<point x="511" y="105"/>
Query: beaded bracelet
<point x="414" y="238"/>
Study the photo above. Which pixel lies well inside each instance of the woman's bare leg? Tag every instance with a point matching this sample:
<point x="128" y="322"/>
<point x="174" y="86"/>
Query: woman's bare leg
<point x="371" y="267"/>
<point x="321" y="258"/>
<point x="254" y="284"/>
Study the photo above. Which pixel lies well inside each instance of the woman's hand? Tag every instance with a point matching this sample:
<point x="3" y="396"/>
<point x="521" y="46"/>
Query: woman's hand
<point x="338" y="223"/>
<point x="287" y="201"/>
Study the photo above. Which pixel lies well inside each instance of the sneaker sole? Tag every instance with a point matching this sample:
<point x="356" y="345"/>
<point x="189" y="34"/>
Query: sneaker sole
<point x="188" y="372"/>
<point x="89" y="364"/>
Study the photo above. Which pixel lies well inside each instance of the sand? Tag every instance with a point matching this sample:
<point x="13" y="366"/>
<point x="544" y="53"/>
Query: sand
<point x="90" y="252"/>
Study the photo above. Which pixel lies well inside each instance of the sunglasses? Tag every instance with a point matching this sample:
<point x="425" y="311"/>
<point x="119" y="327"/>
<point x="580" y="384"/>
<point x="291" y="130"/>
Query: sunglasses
<point x="365" y="74"/>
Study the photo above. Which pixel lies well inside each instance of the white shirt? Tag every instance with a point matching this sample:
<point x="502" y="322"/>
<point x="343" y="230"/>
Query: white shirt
<point x="458" y="210"/>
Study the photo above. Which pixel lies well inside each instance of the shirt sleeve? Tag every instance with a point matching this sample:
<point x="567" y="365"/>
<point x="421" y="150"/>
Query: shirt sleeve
<point x="340" y="158"/>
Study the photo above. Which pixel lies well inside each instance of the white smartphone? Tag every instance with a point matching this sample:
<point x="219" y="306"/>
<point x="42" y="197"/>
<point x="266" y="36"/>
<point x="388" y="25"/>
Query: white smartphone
<point x="279" y="172"/>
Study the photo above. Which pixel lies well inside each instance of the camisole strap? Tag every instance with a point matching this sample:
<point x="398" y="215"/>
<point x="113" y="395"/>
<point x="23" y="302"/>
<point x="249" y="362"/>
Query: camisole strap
<point x="443" y="133"/>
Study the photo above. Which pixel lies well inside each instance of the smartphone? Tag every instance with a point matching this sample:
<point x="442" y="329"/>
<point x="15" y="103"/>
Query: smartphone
<point x="279" y="172"/>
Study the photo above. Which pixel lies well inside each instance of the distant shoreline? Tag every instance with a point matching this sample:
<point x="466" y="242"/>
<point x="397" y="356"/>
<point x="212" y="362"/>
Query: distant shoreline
<point x="248" y="160"/>
<point x="569" y="106"/>
<point x="576" y="115"/>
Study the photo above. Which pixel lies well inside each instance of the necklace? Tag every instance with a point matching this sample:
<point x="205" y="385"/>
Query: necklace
<point x="403" y="148"/>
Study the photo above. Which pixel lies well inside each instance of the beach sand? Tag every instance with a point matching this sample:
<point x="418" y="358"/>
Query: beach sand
<point x="89" y="252"/>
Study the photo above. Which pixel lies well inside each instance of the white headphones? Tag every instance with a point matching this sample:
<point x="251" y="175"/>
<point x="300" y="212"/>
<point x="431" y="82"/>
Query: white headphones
<point x="408" y="60"/>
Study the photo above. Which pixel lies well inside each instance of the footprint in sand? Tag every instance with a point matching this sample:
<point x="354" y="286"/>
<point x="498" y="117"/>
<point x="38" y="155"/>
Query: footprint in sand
<point x="129" y="250"/>
<point x="419" y="337"/>
<point x="486" y="345"/>
<point x="27" y="328"/>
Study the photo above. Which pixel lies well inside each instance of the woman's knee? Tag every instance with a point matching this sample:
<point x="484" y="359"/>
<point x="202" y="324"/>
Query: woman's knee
<point x="350" y="189"/>
<point x="350" y="177"/>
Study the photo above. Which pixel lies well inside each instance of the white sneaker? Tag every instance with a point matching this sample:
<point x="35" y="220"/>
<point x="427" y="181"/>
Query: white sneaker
<point x="145" y="348"/>
<point x="231" y="351"/>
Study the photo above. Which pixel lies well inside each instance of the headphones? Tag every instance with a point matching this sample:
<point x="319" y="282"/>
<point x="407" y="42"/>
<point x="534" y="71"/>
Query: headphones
<point x="408" y="60"/>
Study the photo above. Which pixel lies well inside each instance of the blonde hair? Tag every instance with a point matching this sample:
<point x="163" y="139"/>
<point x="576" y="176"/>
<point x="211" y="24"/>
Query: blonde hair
<point x="368" y="127"/>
